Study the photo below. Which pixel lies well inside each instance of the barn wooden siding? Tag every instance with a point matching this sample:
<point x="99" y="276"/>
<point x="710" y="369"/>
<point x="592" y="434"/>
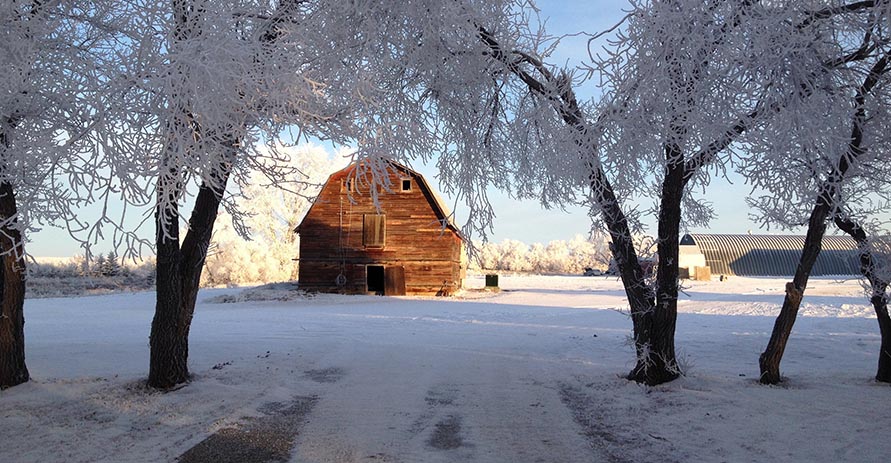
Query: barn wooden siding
<point x="772" y="255"/>
<point x="410" y="234"/>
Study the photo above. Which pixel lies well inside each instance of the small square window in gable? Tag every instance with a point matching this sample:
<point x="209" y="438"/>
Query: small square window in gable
<point x="406" y="184"/>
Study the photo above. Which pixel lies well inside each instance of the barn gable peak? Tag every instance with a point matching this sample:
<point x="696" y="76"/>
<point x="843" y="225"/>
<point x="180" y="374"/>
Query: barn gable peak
<point x="436" y="202"/>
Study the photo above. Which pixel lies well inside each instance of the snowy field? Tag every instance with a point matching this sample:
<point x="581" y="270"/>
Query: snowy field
<point x="531" y="374"/>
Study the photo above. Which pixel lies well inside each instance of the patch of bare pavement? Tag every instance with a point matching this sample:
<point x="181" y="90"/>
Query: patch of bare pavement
<point x="447" y="434"/>
<point x="264" y="439"/>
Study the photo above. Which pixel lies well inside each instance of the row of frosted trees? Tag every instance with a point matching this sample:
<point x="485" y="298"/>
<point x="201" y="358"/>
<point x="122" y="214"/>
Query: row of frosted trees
<point x="556" y="257"/>
<point x="165" y="105"/>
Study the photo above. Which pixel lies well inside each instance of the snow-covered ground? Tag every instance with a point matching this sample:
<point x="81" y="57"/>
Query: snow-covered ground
<point x="532" y="374"/>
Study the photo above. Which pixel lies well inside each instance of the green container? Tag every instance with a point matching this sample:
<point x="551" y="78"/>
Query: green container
<point x="491" y="281"/>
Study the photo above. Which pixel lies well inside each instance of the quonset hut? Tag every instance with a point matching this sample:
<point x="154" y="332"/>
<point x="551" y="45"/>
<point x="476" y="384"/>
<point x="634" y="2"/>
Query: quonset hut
<point x="766" y="255"/>
<point x="407" y="244"/>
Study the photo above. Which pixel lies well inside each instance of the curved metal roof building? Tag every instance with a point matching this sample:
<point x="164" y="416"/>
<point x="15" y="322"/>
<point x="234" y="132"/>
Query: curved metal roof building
<point x="772" y="255"/>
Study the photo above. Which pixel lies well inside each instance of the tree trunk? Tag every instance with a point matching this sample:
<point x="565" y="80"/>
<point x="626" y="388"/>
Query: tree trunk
<point x="659" y="364"/>
<point x="879" y="294"/>
<point x="178" y="277"/>
<point x="653" y="328"/>
<point x="169" y="350"/>
<point x="769" y="361"/>
<point x="197" y="241"/>
<point x="13" y="370"/>
<point x="880" y="304"/>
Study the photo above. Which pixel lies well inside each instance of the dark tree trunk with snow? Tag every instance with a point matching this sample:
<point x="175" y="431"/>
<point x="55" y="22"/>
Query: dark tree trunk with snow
<point x="659" y="363"/>
<point x="640" y="295"/>
<point x="880" y="304"/>
<point x="769" y="361"/>
<point x="878" y="297"/>
<point x="13" y="370"/>
<point x="175" y="296"/>
<point x="653" y="326"/>
<point x="168" y="342"/>
<point x="178" y="277"/>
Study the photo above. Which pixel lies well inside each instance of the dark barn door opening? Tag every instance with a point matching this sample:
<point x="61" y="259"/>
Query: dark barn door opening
<point x="374" y="278"/>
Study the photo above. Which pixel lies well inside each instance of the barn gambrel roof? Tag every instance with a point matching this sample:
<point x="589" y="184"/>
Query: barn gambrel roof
<point x="772" y="255"/>
<point x="442" y="211"/>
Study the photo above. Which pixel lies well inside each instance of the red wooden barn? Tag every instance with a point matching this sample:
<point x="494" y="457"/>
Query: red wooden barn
<point x="407" y="244"/>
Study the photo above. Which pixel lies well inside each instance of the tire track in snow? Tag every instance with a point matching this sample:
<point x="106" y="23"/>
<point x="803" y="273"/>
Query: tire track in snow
<point x="616" y="437"/>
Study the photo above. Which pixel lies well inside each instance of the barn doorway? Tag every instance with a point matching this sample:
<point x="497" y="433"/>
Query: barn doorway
<point x="374" y="279"/>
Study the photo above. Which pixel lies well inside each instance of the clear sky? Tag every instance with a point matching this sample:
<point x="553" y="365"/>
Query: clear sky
<point x="526" y="221"/>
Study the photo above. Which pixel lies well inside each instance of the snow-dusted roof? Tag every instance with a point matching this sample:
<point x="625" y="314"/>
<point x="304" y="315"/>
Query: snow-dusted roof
<point x="772" y="255"/>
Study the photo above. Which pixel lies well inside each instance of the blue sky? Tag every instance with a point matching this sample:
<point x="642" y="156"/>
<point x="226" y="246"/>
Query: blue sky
<point x="525" y="221"/>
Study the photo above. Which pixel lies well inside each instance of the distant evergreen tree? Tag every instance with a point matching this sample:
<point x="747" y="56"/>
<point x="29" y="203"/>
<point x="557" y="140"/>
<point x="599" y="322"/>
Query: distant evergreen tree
<point x="111" y="266"/>
<point x="98" y="266"/>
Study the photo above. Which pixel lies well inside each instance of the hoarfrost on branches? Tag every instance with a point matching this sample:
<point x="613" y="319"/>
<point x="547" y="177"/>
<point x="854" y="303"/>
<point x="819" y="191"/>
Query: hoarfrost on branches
<point x="687" y="84"/>
<point x="796" y="154"/>
<point x="556" y="257"/>
<point x="58" y="65"/>
<point x="269" y="250"/>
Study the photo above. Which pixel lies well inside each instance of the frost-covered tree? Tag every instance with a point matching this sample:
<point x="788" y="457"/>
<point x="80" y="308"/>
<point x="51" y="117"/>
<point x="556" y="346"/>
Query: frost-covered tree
<point x="53" y="75"/>
<point x="268" y="254"/>
<point x="585" y="253"/>
<point x="111" y="265"/>
<point x="514" y="256"/>
<point x="100" y="264"/>
<point x="689" y="80"/>
<point x="557" y="257"/>
<point x="221" y="83"/>
<point x="825" y="158"/>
